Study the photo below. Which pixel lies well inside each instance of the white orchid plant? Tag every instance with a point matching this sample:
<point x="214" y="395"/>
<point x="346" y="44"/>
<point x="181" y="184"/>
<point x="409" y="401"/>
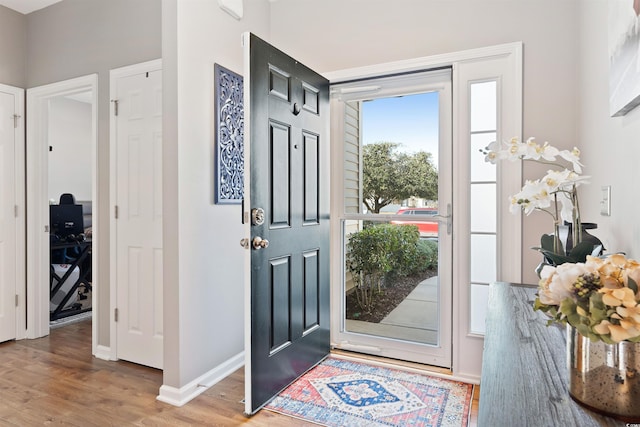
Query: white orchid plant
<point x="599" y="297"/>
<point x="555" y="193"/>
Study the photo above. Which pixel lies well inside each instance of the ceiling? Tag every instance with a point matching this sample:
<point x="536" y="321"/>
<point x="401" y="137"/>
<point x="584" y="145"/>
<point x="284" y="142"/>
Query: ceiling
<point x="27" y="6"/>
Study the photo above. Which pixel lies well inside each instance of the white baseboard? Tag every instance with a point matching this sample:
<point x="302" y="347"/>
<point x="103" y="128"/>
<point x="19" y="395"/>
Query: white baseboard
<point x="179" y="396"/>
<point x="103" y="352"/>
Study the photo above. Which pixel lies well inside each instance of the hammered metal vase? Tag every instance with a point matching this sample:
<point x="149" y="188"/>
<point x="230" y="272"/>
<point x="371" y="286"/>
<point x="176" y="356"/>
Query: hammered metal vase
<point x="605" y="377"/>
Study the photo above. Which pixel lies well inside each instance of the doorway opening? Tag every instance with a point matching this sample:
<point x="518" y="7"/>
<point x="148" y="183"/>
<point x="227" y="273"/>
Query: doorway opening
<point x="61" y="158"/>
<point x="70" y="207"/>
<point x="395" y="225"/>
<point x="392" y="266"/>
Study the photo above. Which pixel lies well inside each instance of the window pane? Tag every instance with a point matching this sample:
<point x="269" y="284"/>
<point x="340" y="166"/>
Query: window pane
<point x="479" y="299"/>
<point x="483" y="208"/>
<point x="483" y="258"/>
<point x="483" y="106"/>
<point x="415" y="315"/>
<point x="481" y="170"/>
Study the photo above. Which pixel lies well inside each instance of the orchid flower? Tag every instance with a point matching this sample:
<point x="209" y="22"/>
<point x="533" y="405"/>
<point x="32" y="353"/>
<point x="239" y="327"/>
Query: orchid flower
<point x="557" y="186"/>
<point x="573" y="157"/>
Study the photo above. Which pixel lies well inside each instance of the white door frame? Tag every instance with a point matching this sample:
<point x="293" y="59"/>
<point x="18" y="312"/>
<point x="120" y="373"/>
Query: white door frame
<point x="38" y="266"/>
<point x="467" y="347"/>
<point x="114" y="75"/>
<point x="438" y="81"/>
<point x="19" y="144"/>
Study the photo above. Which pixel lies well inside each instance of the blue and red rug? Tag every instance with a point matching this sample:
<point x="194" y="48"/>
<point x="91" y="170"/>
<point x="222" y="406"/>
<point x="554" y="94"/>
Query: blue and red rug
<point x="344" y="393"/>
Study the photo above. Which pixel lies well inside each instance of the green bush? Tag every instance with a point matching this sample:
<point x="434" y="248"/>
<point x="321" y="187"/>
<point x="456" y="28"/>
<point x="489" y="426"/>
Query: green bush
<point x="381" y="250"/>
<point x="428" y="255"/>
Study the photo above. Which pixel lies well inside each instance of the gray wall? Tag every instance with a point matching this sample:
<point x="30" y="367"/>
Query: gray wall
<point x="13" y="39"/>
<point x="74" y="38"/>
<point x="204" y="263"/>
<point x="366" y="32"/>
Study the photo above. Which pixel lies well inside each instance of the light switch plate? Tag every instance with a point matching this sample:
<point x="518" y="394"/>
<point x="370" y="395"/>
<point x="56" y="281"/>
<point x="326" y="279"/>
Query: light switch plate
<point x="605" y="202"/>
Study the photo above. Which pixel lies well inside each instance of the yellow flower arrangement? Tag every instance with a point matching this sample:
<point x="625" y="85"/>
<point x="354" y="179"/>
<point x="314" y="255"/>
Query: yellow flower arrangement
<point x="599" y="297"/>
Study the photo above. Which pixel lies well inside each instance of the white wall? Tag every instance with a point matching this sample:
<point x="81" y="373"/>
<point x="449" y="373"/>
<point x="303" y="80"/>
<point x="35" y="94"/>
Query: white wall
<point x="337" y="34"/>
<point x="70" y="160"/>
<point x="204" y="297"/>
<point x="610" y="146"/>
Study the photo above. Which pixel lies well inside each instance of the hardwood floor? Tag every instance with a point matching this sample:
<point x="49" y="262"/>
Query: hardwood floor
<point x="56" y="381"/>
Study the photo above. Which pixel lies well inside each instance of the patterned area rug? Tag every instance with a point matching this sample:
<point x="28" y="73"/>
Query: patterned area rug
<point x="344" y="393"/>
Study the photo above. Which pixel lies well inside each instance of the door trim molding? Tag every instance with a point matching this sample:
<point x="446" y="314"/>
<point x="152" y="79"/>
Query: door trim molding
<point x="114" y="75"/>
<point x="19" y="188"/>
<point x="37" y="242"/>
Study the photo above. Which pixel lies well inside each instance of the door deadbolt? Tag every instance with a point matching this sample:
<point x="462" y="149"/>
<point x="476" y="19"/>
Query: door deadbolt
<point x="257" y="216"/>
<point x="260" y="243"/>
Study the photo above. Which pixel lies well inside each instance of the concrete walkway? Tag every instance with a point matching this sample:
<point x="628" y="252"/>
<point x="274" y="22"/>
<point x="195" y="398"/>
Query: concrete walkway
<point x="414" y="319"/>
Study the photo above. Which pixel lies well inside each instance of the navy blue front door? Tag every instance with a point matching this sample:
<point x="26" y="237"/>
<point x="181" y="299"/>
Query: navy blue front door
<point x="289" y="175"/>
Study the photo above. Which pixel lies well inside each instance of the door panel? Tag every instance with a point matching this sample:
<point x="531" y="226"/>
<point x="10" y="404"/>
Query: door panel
<point x="139" y="223"/>
<point x="7" y="218"/>
<point x="289" y="178"/>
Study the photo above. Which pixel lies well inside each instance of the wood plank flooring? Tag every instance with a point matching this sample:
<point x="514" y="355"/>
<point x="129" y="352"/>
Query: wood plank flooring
<point x="56" y="381"/>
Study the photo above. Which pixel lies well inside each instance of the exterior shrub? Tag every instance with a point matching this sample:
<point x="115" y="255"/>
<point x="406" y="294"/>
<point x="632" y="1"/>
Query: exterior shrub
<point x="381" y="250"/>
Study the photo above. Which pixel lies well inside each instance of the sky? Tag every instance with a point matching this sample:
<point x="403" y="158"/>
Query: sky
<point x="411" y="120"/>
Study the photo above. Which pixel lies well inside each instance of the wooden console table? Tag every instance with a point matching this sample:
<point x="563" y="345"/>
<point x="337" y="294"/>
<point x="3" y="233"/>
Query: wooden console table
<point x="524" y="367"/>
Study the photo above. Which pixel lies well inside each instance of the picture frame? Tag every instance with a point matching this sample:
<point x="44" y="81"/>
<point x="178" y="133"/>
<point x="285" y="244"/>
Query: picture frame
<point x="624" y="54"/>
<point x="229" y="136"/>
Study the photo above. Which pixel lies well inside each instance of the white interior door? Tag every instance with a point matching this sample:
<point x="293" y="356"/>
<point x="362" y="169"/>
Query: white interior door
<point x="8" y="214"/>
<point x="138" y="213"/>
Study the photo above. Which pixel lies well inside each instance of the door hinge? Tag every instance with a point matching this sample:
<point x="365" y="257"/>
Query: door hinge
<point x="115" y="211"/>
<point x="115" y="314"/>
<point x="15" y="211"/>
<point x="115" y="106"/>
<point x="46" y="228"/>
<point x="17" y="300"/>
<point x="15" y="120"/>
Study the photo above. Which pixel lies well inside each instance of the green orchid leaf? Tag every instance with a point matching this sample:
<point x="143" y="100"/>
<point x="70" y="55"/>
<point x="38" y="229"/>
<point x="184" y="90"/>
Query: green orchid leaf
<point x="580" y="251"/>
<point x="556" y="259"/>
<point x="547" y="240"/>
<point x="632" y="285"/>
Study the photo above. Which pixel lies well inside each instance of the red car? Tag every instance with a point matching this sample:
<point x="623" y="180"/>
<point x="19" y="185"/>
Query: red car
<point x="420" y="218"/>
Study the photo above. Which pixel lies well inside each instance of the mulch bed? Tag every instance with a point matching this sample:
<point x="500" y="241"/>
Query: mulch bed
<point x="392" y="295"/>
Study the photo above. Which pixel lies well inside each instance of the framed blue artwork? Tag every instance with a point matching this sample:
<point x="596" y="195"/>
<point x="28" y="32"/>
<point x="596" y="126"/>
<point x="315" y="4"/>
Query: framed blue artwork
<point x="229" y="131"/>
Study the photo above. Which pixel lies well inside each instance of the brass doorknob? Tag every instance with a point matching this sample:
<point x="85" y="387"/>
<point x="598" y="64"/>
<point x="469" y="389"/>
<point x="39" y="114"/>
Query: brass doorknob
<point x="260" y="243"/>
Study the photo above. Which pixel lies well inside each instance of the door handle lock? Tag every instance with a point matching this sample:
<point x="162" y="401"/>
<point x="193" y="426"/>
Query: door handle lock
<point x="257" y="216"/>
<point x="260" y="243"/>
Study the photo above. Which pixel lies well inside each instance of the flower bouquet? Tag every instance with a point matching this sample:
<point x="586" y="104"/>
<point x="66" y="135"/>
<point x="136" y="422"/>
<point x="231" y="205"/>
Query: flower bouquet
<point x="599" y="297"/>
<point x="554" y="194"/>
<point x="598" y="300"/>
